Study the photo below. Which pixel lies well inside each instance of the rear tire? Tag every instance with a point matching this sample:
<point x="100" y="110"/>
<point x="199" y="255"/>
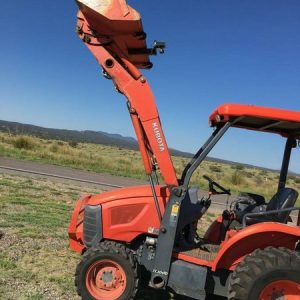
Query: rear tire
<point x="107" y="271"/>
<point x="271" y="273"/>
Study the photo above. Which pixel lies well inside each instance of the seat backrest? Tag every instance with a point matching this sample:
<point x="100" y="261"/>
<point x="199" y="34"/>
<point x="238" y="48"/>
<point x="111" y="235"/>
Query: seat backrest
<point x="284" y="198"/>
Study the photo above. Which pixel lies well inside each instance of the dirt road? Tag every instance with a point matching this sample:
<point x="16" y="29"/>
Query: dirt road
<point x="64" y="174"/>
<point x="105" y="181"/>
<point x="58" y="173"/>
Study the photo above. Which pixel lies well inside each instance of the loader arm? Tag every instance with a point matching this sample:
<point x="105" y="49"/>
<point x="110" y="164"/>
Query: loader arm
<point x="113" y="32"/>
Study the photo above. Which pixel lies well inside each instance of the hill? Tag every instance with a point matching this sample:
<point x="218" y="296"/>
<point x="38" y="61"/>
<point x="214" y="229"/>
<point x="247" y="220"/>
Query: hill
<point x="85" y="136"/>
<point x="100" y="138"/>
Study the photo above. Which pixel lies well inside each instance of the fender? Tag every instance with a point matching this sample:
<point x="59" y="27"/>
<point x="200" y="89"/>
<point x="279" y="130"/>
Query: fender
<point x="257" y="236"/>
<point x="212" y="234"/>
<point x="75" y="230"/>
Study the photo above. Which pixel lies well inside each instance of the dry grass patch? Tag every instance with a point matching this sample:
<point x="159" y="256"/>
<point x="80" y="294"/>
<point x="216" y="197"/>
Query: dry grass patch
<point x="35" y="260"/>
<point x="124" y="162"/>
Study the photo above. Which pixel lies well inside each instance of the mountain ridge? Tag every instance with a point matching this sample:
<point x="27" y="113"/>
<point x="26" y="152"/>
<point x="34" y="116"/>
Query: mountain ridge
<point x="97" y="137"/>
<point x="80" y="136"/>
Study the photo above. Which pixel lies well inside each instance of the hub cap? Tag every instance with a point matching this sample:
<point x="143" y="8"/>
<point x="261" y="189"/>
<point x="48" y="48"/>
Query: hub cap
<point x="106" y="280"/>
<point x="281" y="290"/>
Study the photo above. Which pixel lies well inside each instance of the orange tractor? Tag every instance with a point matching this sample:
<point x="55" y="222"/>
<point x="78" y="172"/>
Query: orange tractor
<point x="147" y="234"/>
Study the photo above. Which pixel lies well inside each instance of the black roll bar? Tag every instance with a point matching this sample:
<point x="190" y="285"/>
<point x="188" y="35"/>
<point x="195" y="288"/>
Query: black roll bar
<point x="290" y="143"/>
<point x="202" y="153"/>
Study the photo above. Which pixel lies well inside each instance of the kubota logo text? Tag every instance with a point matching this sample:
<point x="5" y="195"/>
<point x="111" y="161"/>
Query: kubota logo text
<point x="158" y="137"/>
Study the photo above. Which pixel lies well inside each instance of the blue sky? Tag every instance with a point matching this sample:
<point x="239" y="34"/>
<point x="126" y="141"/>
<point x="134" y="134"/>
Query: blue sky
<point x="217" y="51"/>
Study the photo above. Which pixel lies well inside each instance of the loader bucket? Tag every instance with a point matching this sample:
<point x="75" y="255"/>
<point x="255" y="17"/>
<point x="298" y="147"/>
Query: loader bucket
<point x="111" y="9"/>
<point x="120" y="23"/>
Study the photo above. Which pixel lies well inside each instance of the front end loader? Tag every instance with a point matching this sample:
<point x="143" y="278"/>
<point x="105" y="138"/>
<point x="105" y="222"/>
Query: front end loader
<point x="146" y="235"/>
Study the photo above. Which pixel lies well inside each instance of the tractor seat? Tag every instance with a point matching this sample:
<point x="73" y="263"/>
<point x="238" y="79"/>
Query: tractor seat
<point x="284" y="198"/>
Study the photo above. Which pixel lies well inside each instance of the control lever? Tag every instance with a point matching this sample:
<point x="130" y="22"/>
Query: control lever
<point x="213" y="184"/>
<point x="206" y="201"/>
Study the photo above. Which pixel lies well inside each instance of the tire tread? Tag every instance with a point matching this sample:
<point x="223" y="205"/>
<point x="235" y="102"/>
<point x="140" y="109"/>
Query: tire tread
<point x="255" y="264"/>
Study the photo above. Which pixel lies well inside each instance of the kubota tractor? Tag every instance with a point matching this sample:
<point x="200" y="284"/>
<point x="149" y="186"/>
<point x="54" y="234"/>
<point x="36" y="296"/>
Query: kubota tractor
<point x="147" y="234"/>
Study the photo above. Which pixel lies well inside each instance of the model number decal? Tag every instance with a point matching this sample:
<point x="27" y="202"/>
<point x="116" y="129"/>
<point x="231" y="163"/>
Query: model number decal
<point x="158" y="137"/>
<point x="160" y="272"/>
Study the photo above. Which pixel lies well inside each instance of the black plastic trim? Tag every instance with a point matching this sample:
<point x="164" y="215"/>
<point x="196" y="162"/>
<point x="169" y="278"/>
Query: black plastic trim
<point x="92" y="225"/>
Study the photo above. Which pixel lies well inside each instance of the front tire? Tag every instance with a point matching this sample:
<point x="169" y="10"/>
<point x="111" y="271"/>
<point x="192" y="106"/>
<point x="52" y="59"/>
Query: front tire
<point x="107" y="271"/>
<point x="272" y="273"/>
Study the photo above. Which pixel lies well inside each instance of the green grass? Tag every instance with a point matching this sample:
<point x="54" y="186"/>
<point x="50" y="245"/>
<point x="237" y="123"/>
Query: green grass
<point x="124" y="162"/>
<point x="35" y="260"/>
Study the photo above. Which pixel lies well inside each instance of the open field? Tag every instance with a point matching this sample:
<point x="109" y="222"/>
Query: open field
<point x="35" y="260"/>
<point x="124" y="162"/>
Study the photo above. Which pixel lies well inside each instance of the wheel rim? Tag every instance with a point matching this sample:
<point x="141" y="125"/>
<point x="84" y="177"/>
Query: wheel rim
<point x="106" y="280"/>
<point x="281" y="290"/>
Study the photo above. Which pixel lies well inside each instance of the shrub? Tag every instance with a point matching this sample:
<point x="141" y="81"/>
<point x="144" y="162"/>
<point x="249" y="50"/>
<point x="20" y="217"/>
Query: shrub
<point x="263" y="173"/>
<point x="54" y="147"/>
<point x="24" y="142"/>
<point x="258" y="180"/>
<point x="219" y="176"/>
<point x="248" y="174"/>
<point x="236" y="178"/>
<point x="122" y="161"/>
<point x="215" y="168"/>
<point x="238" y="167"/>
<point x="73" y="144"/>
<point x="295" y="179"/>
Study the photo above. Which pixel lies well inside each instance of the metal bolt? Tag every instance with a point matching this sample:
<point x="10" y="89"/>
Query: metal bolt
<point x="86" y="39"/>
<point x="143" y="79"/>
<point x="163" y="230"/>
